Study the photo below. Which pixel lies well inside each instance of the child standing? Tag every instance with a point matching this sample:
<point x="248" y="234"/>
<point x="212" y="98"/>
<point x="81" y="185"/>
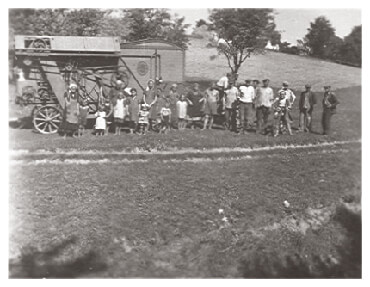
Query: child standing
<point x="143" y="118"/>
<point x="119" y="108"/>
<point x="83" y="112"/>
<point x="101" y="123"/>
<point x="281" y="113"/>
<point x="182" y="109"/>
<point x="166" y="118"/>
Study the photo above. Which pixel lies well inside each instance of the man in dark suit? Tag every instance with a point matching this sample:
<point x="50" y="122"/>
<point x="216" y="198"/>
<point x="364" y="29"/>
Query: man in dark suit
<point x="329" y="104"/>
<point x="307" y="101"/>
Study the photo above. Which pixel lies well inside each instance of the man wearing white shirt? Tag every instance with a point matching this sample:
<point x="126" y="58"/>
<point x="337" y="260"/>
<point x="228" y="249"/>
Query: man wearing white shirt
<point x="246" y="99"/>
<point x="264" y="101"/>
<point x="222" y="85"/>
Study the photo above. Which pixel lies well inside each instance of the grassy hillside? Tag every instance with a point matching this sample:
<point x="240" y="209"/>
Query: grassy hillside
<point x="298" y="70"/>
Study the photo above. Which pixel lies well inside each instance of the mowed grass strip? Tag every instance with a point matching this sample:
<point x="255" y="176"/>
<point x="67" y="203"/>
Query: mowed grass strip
<point x="161" y="219"/>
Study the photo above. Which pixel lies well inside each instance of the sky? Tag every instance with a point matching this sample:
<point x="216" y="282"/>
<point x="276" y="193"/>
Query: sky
<point x="293" y="23"/>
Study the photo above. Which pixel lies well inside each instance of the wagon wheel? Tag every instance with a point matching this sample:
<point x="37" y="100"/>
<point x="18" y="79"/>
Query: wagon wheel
<point x="47" y="119"/>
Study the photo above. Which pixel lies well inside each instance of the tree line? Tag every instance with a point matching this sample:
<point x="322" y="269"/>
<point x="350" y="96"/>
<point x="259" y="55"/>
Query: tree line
<point x="325" y="44"/>
<point x="129" y="24"/>
<point x="244" y="32"/>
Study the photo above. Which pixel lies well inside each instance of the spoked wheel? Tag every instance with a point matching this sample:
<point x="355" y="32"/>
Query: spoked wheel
<point x="47" y="119"/>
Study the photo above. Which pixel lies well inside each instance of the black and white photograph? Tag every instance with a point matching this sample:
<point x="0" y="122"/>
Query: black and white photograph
<point x="201" y="143"/>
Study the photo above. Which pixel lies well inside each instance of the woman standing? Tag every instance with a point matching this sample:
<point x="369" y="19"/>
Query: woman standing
<point x="195" y="112"/>
<point x="71" y="110"/>
<point x="212" y="97"/>
<point x="150" y="98"/>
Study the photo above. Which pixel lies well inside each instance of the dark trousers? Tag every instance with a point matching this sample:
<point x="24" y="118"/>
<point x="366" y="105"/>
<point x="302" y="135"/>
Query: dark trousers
<point x="230" y="119"/>
<point x="326" y="118"/>
<point x="246" y="112"/>
<point x="220" y="104"/>
<point x="262" y="114"/>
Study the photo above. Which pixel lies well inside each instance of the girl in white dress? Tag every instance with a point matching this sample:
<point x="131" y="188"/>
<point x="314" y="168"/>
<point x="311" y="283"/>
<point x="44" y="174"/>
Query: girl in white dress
<point x="101" y="122"/>
<point x="182" y="110"/>
<point x="120" y="112"/>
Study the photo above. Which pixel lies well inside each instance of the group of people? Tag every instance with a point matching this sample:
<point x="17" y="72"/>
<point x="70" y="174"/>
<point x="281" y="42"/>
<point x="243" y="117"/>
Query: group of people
<point x="241" y="108"/>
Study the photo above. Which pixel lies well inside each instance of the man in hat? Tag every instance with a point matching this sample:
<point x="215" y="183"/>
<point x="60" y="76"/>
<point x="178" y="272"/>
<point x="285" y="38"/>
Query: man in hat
<point x="263" y="102"/>
<point x="256" y="84"/>
<point x="307" y="101"/>
<point x="246" y="99"/>
<point x="290" y="96"/>
<point x="329" y="104"/>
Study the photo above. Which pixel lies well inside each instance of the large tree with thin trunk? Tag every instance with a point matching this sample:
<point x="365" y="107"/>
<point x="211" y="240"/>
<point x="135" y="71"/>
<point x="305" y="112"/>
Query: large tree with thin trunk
<point x="243" y="32"/>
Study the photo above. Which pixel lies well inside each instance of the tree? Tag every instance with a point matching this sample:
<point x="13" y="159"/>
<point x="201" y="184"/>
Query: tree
<point x="320" y="36"/>
<point x="83" y="22"/>
<point x="332" y="48"/>
<point x="352" y="47"/>
<point x="244" y="32"/>
<point x="157" y="23"/>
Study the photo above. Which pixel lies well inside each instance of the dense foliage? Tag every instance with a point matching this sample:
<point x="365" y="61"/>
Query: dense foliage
<point x="129" y="24"/>
<point x="324" y="43"/>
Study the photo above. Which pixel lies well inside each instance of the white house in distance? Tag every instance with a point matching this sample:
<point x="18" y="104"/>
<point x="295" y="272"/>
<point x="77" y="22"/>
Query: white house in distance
<point x="269" y="46"/>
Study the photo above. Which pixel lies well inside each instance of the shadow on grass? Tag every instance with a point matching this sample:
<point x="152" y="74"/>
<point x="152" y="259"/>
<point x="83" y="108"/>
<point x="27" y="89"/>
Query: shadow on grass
<point x="34" y="263"/>
<point x="272" y="264"/>
<point x="21" y="123"/>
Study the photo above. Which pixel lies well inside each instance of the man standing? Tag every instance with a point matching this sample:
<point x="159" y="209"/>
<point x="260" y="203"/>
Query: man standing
<point x="246" y="98"/>
<point x="329" y="104"/>
<point x="264" y="101"/>
<point x="256" y="84"/>
<point x="307" y="101"/>
<point x="231" y="96"/>
<point x="290" y="96"/>
<point x="221" y="86"/>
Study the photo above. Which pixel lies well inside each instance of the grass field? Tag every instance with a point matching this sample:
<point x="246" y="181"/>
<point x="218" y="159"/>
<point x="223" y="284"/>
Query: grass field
<point x="149" y="206"/>
<point x="278" y="67"/>
<point x="160" y="218"/>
